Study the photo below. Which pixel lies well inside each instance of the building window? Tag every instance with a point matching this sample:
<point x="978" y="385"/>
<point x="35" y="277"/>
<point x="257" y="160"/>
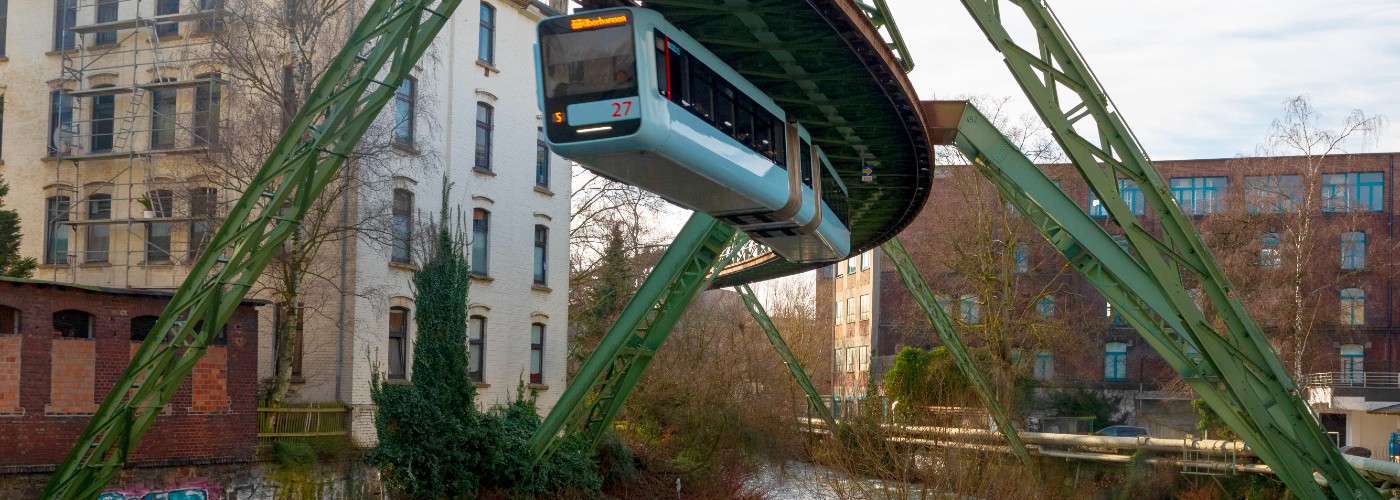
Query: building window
<point x="852" y="264"/>
<point x="55" y="231"/>
<point x="1115" y="362"/>
<point x="398" y="343"/>
<point x="402" y="222"/>
<point x="1114" y="316"/>
<point x="840" y="315"/>
<point x="1128" y="190"/>
<point x="481" y="242"/>
<point x="486" y="39"/>
<point x="865" y="307"/>
<point x="2" y="101"/>
<point x="945" y="303"/>
<point x="1269" y="255"/>
<point x="72" y="323"/>
<point x="852" y="309"/>
<point x="1353" y="250"/>
<point x="158" y="233"/>
<point x="141" y="327"/>
<point x="840" y="360"/>
<point x="536" y="353"/>
<point x="850" y="359"/>
<point x="541" y="253"/>
<point x="103" y="119"/>
<point x="60" y="121"/>
<point x="476" y="348"/>
<point x="4" y="23"/>
<point x="541" y="161"/>
<point x="1044" y="366"/>
<point x="1023" y="258"/>
<point x="1199" y="195"/>
<point x="163" y="8"/>
<point x="65" y="17"/>
<point x="867" y="259"/>
<point x="1353" y="192"/>
<point x="1353" y="307"/>
<point x="98" y="240"/>
<point x="405" y="102"/>
<point x="204" y="212"/>
<point x="1045" y="307"/>
<point x="206" y="110"/>
<point x="1273" y="194"/>
<point x="106" y="13"/>
<point x="215" y="21"/>
<point x="863" y="354"/>
<point x="485" y="121"/>
<point x="163" y="123"/>
<point x="839" y="269"/>
<point x="971" y="310"/>
<point x="1353" y="364"/>
<point x="9" y="316"/>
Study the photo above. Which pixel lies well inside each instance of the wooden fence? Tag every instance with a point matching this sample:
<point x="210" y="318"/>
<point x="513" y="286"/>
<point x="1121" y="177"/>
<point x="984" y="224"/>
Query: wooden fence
<point x="306" y="423"/>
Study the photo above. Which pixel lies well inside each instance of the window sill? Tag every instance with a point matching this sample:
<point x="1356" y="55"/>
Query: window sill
<point x="490" y="68"/>
<point x="482" y="277"/>
<point x="481" y="385"/>
<point x="541" y="288"/>
<point x="295" y="379"/>
<point x="158" y="263"/>
<point x="96" y="264"/>
<point x="53" y="265"/>
<point x="4" y="59"/>
<point x="482" y="171"/>
<point x="538" y="387"/>
<point x="59" y="52"/>
<point x="538" y="189"/>
<point x="398" y="381"/>
<point x="407" y="149"/>
<point x="403" y="266"/>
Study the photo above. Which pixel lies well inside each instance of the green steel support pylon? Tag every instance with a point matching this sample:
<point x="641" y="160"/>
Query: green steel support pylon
<point x="943" y="326"/>
<point x="602" y="384"/>
<point x="795" y="368"/>
<point x="357" y="84"/>
<point x="1236" y="371"/>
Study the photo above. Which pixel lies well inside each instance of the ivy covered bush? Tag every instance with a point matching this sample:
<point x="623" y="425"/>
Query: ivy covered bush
<point x="433" y="442"/>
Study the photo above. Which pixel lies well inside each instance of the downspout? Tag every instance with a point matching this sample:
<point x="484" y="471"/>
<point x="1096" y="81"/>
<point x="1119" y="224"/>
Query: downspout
<point x="344" y="252"/>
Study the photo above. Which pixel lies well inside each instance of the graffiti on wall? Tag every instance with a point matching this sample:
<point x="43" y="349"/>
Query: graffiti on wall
<point x="180" y="494"/>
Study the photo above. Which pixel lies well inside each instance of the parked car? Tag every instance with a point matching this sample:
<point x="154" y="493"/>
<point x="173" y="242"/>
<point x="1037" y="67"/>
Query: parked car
<point x="1123" y="431"/>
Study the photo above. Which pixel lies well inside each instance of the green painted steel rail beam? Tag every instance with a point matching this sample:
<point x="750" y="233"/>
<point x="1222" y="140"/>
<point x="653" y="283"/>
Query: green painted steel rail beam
<point x="1237" y="372"/>
<point x="362" y="78"/>
<point x="799" y="375"/>
<point x="948" y="335"/>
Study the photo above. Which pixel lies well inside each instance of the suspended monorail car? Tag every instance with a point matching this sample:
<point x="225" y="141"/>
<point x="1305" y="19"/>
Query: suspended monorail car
<point x="634" y="99"/>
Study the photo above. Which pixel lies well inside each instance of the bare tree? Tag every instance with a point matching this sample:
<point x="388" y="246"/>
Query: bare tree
<point x="272" y="54"/>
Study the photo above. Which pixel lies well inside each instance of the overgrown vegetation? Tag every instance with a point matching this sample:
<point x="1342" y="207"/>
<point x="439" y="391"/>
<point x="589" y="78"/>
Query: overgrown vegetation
<point x="433" y="441"/>
<point x="1211" y="425"/>
<point x="1080" y="402"/>
<point x="11" y="264"/>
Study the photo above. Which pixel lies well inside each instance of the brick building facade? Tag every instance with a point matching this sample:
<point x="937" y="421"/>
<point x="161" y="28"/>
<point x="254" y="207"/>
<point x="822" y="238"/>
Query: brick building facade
<point x="1251" y="211"/>
<point x="63" y="346"/>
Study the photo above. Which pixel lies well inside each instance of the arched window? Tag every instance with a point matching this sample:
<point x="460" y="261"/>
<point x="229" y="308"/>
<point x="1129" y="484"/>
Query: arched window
<point x="141" y="327"/>
<point x="481" y="241"/>
<point x="1115" y="361"/>
<point x="537" y="353"/>
<point x="206" y="109"/>
<point x="1353" y="364"/>
<point x="402" y="222"/>
<point x="398" y="343"/>
<point x="476" y="346"/>
<point x="98" y="240"/>
<point x="1353" y="307"/>
<point x="73" y="323"/>
<point x="1045" y="306"/>
<point x="104" y="110"/>
<point x="9" y="320"/>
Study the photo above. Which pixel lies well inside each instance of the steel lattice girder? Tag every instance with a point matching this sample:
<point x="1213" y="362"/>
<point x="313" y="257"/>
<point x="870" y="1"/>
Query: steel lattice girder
<point x="943" y="327"/>
<point x="611" y="371"/>
<point x="388" y="41"/>
<point x="794" y="367"/>
<point x="1237" y="373"/>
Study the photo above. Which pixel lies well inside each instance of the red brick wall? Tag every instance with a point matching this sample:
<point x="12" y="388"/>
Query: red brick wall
<point x="211" y="418"/>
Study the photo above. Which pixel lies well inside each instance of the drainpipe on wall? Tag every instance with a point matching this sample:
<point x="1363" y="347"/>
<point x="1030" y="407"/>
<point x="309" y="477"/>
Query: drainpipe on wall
<point x="344" y="253"/>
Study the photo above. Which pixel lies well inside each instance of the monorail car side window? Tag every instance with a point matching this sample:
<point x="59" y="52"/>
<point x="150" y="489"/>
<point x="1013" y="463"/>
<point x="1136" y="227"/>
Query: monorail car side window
<point x="743" y="122"/>
<point x="804" y="151"/>
<point x="702" y="90"/>
<point x="724" y="110"/>
<point x="663" y="84"/>
<point x="680" y="74"/>
<point x="834" y="196"/>
<point x="763" y="134"/>
<point x="780" y="143"/>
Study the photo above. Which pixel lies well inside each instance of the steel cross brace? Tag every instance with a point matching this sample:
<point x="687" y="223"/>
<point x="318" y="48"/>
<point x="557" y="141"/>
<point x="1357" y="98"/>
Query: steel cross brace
<point x="362" y="78"/>
<point x="1237" y="366"/>
<point x="794" y="367"/>
<point x="602" y="384"/>
<point x="943" y="327"/>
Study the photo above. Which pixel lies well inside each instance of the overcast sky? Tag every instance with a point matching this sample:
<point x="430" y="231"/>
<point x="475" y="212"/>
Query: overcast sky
<point x="1193" y="78"/>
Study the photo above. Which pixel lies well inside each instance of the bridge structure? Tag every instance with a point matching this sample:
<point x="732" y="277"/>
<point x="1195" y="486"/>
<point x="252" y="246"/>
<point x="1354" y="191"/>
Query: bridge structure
<point x="839" y="67"/>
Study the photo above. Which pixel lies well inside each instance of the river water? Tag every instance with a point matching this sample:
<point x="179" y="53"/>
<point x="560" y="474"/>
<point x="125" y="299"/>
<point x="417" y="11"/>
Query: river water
<point x="795" y="480"/>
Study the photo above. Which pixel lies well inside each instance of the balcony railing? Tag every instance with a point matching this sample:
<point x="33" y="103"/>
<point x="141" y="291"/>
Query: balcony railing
<point x="1353" y="379"/>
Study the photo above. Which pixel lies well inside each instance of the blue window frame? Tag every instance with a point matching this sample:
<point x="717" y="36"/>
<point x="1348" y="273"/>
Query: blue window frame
<point x="1115" y="362"/>
<point x="1269" y="255"/>
<point x="1353" y="364"/>
<point x="404" y="102"/>
<point x="541" y="161"/>
<point x="481" y="242"/>
<point x="1044" y="366"/>
<point x="1353" y="307"/>
<point x="1353" y="192"/>
<point x="1045" y="306"/>
<point x="1273" y="194"/>
<point x="1199" y="195"/>
<point x="486" y="38"/>
<point x="970" y="311"/>
<point x="1353" y="250"/>
<point x="1131" y="193"/>
<point x="1023" y="258"/>
<point x="1114" y="317"/>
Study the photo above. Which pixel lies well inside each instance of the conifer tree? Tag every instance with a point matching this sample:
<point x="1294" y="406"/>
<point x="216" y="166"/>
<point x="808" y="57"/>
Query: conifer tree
<point x="615" y="284"/>
<point x="11" y="264"/>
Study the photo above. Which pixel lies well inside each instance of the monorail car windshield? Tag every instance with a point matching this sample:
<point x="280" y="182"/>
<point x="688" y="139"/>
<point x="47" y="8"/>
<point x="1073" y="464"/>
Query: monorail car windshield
<point x="590" y="82"/>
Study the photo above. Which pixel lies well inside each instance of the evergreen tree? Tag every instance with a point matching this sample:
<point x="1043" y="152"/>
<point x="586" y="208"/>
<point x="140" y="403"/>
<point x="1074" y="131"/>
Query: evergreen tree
<point x="11" y="265"/>
<point x="615" y="284"/>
